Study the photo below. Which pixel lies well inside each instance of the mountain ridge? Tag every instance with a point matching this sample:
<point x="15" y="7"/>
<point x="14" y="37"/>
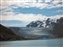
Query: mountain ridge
<point x="48" y="23"/>
<point x="6" y="34"/>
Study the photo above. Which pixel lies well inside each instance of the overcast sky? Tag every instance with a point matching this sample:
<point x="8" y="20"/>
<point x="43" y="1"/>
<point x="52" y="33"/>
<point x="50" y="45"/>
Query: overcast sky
<point x="22" y="12"/>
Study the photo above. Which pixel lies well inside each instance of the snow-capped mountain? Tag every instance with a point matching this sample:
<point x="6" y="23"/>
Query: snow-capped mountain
<point x="46" y="23"/>
<point x="50" y="28"/>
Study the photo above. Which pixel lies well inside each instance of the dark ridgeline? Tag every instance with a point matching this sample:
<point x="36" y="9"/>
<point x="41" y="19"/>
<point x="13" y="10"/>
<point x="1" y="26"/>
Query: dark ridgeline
<point x="6" y="34"/>
<point x="58" y="28"/>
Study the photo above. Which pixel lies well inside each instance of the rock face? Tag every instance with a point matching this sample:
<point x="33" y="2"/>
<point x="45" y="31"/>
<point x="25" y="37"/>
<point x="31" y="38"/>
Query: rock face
<point x="6" y="34"/>
<point x="55" y="24"/>
<point x="58" y="28"/>
<point x="35" y="24"/>
<point x="49" y="23"/>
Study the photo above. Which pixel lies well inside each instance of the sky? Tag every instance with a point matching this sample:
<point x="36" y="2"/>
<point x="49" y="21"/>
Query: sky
<point x="22" y="12"/>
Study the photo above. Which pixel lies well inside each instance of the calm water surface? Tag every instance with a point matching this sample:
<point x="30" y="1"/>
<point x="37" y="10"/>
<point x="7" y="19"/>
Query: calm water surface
<point x="33" y="43"/>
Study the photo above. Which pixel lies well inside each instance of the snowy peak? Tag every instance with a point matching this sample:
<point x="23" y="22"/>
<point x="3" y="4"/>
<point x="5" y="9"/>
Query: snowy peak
<point x="35" y="24"/>
<point x="48" y="23"/>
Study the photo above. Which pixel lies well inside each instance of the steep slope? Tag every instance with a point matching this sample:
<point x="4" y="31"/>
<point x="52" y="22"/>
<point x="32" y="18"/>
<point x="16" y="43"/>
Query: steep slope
<point x="35" y="24"/>
<point x="7" y="34"/>
<point x="58" y="28"/>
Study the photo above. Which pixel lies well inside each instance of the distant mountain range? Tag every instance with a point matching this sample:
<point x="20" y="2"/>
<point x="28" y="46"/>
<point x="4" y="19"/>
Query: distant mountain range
<point x="50" y="28"/>
<point x="48" y="23"/>
<point x="55" y="24"/>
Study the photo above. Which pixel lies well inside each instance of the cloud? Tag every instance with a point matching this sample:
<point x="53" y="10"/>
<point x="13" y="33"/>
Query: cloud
<point x="56" y="16"/>
<point x="59" y="11"/>
<point x="23" y="17"/>
<point x="27" y="17"/>
<point x="13" y="23"/>
<point x="6" y="10"/>
<point x="48" y="0"/>
<point x="57" y="1"/>
<point x="41" y="4"/>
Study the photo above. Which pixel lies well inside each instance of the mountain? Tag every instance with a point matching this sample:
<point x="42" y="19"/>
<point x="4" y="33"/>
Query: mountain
<point x="32" y="33"/>
<point x="7" y="34"/>
<point x="49" y="28"/>
<point x="15" y="29"/>
<point x="55" y="26"/>
<point x="35" y="24"/>
<point x="58" y="28"/>
<point x="48" y="23"/>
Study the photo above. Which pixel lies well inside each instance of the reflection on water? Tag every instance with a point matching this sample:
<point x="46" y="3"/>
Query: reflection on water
<point x="33" y="43"/>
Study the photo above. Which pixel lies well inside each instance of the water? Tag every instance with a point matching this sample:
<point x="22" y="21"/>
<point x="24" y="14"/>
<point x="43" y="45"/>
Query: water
<point x="33" y="43"/>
